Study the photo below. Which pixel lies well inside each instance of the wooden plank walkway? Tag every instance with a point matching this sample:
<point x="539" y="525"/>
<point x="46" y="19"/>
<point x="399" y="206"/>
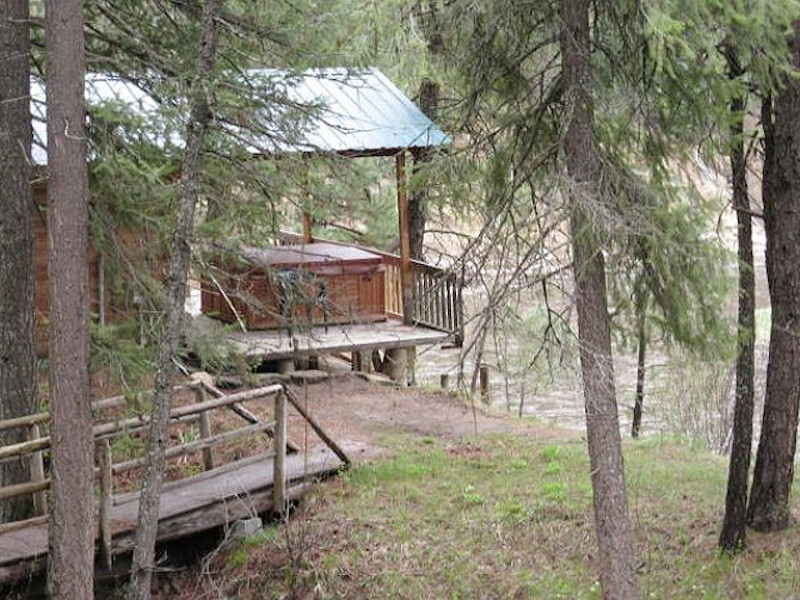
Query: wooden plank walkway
<point x="206" y="501"/>
<point x="279" y="345"/>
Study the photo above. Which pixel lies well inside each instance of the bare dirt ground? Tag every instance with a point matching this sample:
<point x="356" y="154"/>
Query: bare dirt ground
<point x="359" y="414"/>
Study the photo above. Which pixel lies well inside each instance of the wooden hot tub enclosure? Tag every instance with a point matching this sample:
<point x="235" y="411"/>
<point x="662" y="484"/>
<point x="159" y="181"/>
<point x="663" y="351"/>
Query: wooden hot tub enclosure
<point x="295" y="286"/>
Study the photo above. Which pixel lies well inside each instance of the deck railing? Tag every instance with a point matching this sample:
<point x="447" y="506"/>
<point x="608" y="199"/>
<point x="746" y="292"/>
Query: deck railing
<point x="438" y="302"/>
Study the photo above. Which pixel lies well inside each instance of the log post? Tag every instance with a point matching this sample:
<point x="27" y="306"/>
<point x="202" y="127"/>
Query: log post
<point x="308" y="224"/>
<point x="394" y="365"/>
<point x="411" y="365"/>
<point x="205" y="428"/>
<point x="104" y="463"/>
<point x="279" y="465"/>
<point x="484" y="375"/>
<point x="406" y="277"/>
<point x="377" y="361"/>
<point x="356" y="359"/>
<point x="444" y="380"/>
<point x="37" y="472"/>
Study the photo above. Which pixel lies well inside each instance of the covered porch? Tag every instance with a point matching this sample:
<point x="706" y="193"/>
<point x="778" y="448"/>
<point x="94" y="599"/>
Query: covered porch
<point x="307" y="296"/>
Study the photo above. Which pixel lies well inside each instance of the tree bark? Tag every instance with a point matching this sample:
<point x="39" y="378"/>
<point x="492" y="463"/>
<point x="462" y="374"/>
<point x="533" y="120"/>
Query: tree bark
<point x="418" y="198"/>
<point x="733" y="535"/>
<point x="615" y="556"/>
<point x="641" y="369"/>
<point x="17" y="351"/>
<point x="428" y="14"/>
<point x="774" y="470"/>
<point x="199" y="120"/>
<point x="71" y="546"/>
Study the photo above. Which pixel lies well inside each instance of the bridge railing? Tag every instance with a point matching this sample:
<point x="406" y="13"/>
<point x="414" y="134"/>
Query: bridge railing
<point x="106" y="429"/>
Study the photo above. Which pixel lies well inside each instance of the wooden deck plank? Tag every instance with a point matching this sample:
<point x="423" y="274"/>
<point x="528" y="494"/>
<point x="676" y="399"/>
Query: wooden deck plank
<point x="278" y="345"/>
<point x="194" y="504"/>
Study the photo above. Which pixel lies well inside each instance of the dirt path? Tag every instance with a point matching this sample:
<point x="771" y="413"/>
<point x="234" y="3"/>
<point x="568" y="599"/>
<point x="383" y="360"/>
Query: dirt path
<point x="358" y="413"/>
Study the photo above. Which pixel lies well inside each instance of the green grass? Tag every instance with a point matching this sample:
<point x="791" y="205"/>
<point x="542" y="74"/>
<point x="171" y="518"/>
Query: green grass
<point x="509" y="517"/>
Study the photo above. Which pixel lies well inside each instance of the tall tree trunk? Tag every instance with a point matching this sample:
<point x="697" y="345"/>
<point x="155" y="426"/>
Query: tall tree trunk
<point x="428" y="15"/>
<point x="732" y="537"/>
<point x="641" y="369"/>
<point x="199" y="119"/>
<point x="17" y="353"/>
<point x="615" y="556"/>
<point x="774" y="471"/>
<point x="71" y="554"/>
<point x="418" y="199"/>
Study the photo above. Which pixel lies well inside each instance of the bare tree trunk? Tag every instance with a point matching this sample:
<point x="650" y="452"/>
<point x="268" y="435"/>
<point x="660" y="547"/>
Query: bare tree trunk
<point x="774" y="470"/>
<point x="641" y="369"/>
<point x="732" y="537"/>
<point x="418" y="199"/>
<point x="199" y="119"/>
<point x="17" y="352"/>
<point x="428" y="16"/>
<point x="615" y="556"/>
<point x="71" y="552"/>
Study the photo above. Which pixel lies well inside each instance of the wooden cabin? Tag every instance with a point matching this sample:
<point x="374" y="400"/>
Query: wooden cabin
<point x="107" y="302"/>
<point x="98" y="301"/>
<point x="386" y="302"/>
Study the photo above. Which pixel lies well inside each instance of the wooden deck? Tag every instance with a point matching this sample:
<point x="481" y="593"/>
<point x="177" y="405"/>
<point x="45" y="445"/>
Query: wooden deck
<point x="383" y="335"/>
<point x="206" y="501"/>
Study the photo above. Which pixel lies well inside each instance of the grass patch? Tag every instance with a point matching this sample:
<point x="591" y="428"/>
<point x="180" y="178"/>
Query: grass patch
<point x="509" y="517"/>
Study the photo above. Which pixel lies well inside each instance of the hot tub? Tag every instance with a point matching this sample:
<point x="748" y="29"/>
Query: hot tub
<point x="299" y="285"/>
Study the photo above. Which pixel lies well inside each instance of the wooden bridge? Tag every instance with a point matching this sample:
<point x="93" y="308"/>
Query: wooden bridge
<point x="205" y="496"/>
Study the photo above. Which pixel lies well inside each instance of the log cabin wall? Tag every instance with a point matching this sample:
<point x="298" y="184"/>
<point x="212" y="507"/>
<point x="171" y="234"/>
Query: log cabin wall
<point x="41" y="286"/>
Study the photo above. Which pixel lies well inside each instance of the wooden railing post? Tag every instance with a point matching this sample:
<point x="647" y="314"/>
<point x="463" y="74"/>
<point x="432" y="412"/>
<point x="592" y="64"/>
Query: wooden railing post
<point x="37" y="472"/>
<point x="279" y="465"/>
<point x="104" y="463"/>
<point x="205" y="428"/>
<point x="484" y="377"/>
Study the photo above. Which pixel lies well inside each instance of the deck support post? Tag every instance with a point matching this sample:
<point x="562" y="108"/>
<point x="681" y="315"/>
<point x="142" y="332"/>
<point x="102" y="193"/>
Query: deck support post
<point x="444" y="381"/>
<point x="406" y="277"/>
<point x="308" y="224"/>
<point x="411" y="365"/>
<point x="104" y="463"/>
<point x="394" y="365"/>
<point x="205" y="428"/>
<point x="361" y="361"/>
<point x="279" y="465"/>
<point x="37" y="472"/>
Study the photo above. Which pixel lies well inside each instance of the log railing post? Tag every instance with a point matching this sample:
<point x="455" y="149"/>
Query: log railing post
<point x="205" y="428"/>
<point x="104" y="463"/>
<point x="37" y="472"/>
<point x="279" y="464"/>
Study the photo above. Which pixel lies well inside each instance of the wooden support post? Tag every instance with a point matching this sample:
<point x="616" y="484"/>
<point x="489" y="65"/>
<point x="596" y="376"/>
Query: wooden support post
<point x="444" y="381"/>
<point x="105" y="463"/>
<point x="285" y="365"/>
<point x="308" y="219"/>
<point x="411" y="365"/>
<point x="205" y="428"/>
<point x="308" y="224"/>
<point x="36" y="466"/>
<point x="394" y="365"/>
<point x="279" y="466"/>
<point x="337" y="450"/>
<point x="484" y="375"/>
<point x="376" y="361"/>
<point x="406" y="276"/>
